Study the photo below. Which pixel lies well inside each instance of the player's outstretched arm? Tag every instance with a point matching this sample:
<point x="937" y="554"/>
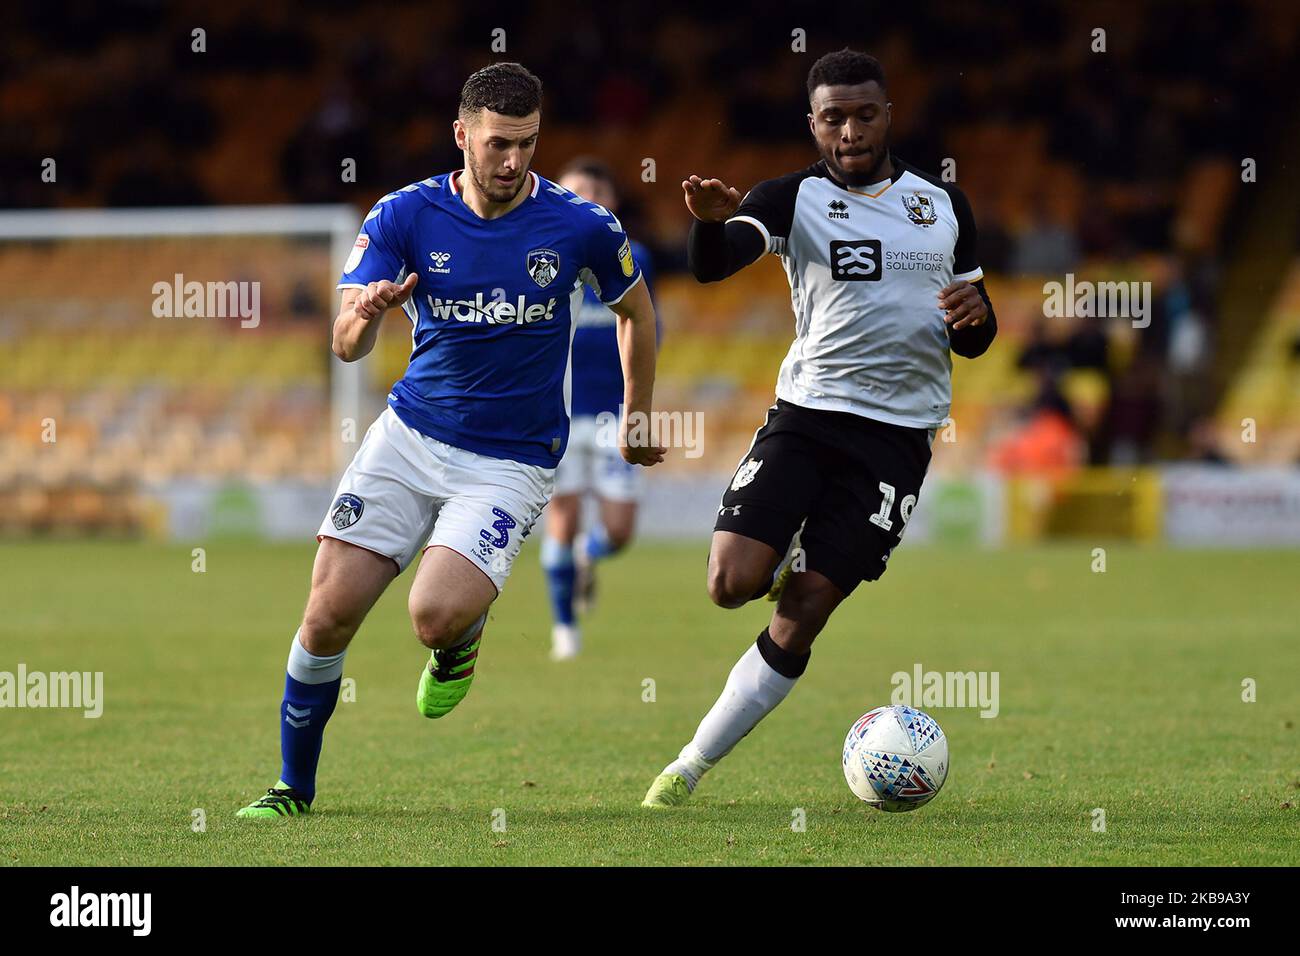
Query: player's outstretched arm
<point x="357" y="325"/>
<point x="716" y="249"/>
<point x="710" y="200"/>
<point x="636" y="348"/>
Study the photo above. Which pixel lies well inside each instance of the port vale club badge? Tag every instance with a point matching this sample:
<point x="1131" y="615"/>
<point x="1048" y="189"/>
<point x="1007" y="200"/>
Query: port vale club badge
<point x="543" y="265"/>
<point x="746" y="473"/>
<point x="920" y="209"/>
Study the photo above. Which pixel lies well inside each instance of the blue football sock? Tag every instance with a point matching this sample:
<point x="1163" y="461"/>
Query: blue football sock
<point x="596" y="544"/>
<point x="311" y="690"/>
<point x="557" y="562"/>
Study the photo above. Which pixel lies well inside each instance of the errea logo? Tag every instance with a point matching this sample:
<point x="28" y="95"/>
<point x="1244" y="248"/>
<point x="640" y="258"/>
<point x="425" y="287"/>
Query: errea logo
<point x="838" y="209"/>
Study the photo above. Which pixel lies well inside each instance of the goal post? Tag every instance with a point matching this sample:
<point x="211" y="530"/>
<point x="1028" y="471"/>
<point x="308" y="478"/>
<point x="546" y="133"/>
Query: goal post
<point x="145" y="345"/>
<point x="336" y="225"/>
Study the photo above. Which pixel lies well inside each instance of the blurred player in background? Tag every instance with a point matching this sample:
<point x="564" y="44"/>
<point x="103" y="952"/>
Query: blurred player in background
<point x="885" y="283"/>
<point x="488" y="264"/>
<point x="592" y="464"/>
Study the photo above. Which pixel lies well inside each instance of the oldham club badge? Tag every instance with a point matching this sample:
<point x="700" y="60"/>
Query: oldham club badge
<point x="346" y="511"/>
<point x="543" y="265"/>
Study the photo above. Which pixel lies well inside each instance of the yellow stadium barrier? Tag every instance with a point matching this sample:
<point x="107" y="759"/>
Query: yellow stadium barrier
<point x="1095" y="503"/>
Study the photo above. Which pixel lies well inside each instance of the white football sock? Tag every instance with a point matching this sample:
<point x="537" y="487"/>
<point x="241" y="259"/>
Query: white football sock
<point x="752" y="691"/>
<point x="690" y="763"/>
<point x="307" y="668"/>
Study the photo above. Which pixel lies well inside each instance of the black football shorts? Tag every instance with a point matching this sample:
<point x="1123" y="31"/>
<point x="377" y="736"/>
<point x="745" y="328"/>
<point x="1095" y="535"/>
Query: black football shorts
<point x="850" y="481"/>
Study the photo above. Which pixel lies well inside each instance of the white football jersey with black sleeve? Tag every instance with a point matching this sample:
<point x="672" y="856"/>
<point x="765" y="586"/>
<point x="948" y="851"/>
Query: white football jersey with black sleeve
<point x="866" y="267"/>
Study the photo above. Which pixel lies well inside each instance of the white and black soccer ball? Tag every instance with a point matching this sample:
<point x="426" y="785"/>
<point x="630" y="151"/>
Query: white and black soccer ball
<point x="896" y="758"/>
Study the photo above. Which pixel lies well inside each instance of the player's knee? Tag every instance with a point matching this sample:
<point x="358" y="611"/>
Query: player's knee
<point x="729" y="587"/>
<point x="325" y="631"/>
<point x="437" y="627"/>
<point x="619" y="538"/>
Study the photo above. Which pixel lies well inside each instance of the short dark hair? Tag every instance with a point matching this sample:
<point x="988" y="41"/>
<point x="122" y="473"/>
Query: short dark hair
<point x="590" y="166"/>
<point x="505" y="88"/>
<point x="845" y="68"/>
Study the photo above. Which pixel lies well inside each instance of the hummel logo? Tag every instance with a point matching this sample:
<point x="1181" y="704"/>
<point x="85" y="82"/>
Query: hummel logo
<point x="838" y="209"/>
<point x="440" y="260"/>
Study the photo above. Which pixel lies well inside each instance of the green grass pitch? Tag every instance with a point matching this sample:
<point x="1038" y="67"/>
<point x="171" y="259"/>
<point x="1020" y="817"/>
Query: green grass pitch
<point x="1119" y="690"/>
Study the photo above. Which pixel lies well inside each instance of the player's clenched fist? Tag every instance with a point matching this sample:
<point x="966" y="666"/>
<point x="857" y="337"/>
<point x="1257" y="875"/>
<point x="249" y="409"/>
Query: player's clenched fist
<point x="634" y="447"/>
<point x="646" y="455"/>
<point x="377" y="297"/>
<point x="710" y="200"/>
<point x="963" y="304"/>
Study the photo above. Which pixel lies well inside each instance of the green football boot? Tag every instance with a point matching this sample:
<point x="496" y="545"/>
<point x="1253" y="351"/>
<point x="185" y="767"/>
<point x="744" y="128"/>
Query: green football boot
<point x="280" y="801"/>
<point x="787" y="566"/>
<point x="446" y="678"/>
<point x="668" y="790"/>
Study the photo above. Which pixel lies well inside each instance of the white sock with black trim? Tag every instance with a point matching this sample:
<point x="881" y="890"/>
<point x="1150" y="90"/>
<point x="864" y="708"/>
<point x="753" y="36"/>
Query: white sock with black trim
<point x="753" y="689"/>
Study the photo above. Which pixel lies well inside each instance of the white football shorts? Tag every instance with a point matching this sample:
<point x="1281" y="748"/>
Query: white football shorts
<point x="592" y="462"/>
<point x="405" y="492"/>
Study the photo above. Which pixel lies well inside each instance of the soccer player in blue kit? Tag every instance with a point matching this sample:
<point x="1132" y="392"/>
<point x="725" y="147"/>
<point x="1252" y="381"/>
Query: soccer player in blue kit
<point x="488" y="264"/>
<point x="592" y="463"/>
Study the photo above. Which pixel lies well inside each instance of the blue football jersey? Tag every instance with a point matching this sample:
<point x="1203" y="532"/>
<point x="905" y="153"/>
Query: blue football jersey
<point x="491" y="316"/>
<point x="597" y="369"/>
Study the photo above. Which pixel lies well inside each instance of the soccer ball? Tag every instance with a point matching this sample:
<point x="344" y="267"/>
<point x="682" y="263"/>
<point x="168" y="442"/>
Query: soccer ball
<point x="896" y="758"/>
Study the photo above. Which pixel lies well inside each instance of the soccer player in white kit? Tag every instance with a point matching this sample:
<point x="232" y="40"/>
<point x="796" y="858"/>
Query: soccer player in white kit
<point x="885" y="284"/>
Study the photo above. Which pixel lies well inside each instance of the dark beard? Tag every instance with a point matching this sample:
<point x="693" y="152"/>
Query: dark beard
<point x="875" y="175"/>
<point x="491" y="191"/>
